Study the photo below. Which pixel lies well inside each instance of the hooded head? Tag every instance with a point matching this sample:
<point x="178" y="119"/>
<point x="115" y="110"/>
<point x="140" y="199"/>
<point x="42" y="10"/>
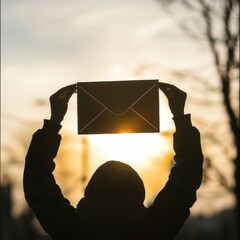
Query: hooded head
<point x="116" y="178"/>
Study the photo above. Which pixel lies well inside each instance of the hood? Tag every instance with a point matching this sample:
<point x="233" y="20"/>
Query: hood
<point x="116" y="178"/>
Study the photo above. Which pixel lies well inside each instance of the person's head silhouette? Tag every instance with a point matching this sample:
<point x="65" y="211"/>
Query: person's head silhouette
<point x="116" y="178"/>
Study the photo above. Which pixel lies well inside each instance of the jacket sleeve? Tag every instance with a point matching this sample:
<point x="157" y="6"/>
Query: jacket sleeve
<point x="41" y="191"/>
<point x="171" y="207"/>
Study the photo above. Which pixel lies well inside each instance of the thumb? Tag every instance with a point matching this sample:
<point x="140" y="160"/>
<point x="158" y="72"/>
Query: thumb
<point x="66" y="92"/>
<point x="167" y="89"/>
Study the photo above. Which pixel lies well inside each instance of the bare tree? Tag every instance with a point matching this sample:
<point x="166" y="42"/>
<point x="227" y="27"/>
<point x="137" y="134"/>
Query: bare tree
<point x="217" y="24"/>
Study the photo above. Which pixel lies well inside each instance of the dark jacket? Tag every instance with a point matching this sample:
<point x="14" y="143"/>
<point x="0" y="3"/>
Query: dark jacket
<point x="112" y="208"/>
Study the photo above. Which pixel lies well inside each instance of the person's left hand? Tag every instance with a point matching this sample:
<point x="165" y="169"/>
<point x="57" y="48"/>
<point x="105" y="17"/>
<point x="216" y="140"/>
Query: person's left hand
<point x="176" y="98"/>
<point x="59" y="102"/>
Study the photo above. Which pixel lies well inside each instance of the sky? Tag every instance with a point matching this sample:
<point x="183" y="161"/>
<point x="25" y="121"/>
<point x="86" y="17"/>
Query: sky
<point x="49" y="44"/>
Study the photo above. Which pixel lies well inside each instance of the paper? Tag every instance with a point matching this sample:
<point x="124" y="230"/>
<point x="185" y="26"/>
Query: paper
<point x="118" y="107"/>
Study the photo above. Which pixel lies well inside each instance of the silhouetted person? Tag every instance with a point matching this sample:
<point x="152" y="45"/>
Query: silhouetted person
<point x="112" y="207"/>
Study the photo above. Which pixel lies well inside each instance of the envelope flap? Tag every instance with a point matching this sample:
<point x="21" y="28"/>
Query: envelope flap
<point x="118" y="96"/>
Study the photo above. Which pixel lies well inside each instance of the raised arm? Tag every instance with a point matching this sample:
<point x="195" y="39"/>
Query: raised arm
<point x="171" y="206"/>
<point x="41" y="191"/>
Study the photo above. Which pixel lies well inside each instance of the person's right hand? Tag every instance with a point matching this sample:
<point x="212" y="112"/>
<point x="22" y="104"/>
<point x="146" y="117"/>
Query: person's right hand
<point x="59" y="102"/>
<point x="176" y="98"/>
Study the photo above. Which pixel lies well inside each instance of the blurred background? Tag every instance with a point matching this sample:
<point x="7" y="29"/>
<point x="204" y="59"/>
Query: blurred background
<point x="193" y="44"/>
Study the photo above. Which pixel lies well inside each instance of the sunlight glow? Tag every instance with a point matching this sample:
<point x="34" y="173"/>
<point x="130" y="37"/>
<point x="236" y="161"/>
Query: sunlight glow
<point x="134" y="149"/>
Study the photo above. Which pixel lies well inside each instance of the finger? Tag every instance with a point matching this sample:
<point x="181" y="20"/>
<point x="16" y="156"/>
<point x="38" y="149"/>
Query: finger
<point x="166" y="89"/>
<point x="171" y="89"/>
<point x="71" y="90"/>
<point x="65" y="92"/>
<point x="61" y="90"/>
<point x="162" y="84"/>
<point x="168" y="86"/>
